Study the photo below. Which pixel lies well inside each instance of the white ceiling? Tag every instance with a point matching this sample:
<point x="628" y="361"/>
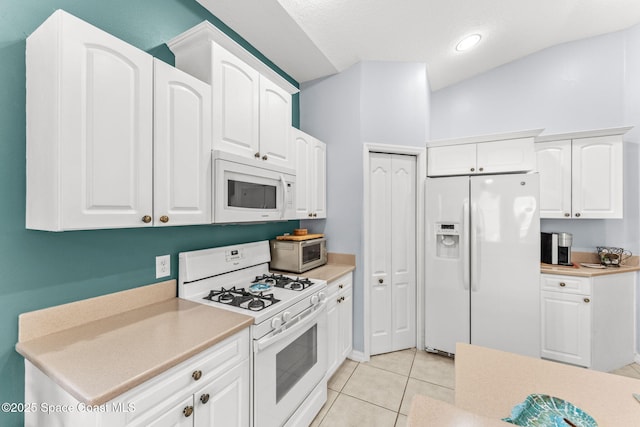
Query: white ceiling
<point x="309" y="39"/>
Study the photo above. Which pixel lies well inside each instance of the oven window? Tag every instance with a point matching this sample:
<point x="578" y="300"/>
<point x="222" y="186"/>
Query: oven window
<point x="311" y="253"/>
<point x="249" y="195"/>
<point x="294" y="361"/>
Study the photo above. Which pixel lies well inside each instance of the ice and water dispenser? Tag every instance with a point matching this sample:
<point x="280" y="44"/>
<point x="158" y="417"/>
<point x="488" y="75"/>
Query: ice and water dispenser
<point x="447" y="240"/>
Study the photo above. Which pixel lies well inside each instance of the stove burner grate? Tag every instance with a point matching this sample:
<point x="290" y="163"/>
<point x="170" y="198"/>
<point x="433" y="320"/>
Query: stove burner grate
<point x="281" y="281"/>
<point x="242" y="298"/>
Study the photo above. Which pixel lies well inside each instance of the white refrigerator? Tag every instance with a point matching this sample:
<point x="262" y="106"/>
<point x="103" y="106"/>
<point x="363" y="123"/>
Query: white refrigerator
<point x="482" y="263"/>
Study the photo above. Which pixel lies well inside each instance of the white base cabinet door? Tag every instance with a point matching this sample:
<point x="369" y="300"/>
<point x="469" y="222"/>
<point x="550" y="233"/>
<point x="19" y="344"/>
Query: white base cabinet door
<point x="89" y="128"/>
<point x="311" y="177"/>
<point x="588" y="321"/>
<point x="566" y="335"/>
<point x="339" y="322"/>
<point x="182" y="148"/>
<point x="210" y="389"/>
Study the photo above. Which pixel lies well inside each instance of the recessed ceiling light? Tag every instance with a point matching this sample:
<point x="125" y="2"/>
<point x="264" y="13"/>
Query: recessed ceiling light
<point x="468" y="42"/>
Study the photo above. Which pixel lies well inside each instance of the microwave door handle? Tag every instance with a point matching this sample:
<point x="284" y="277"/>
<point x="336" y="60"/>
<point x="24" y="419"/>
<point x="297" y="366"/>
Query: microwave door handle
<point x="284" y="196"/>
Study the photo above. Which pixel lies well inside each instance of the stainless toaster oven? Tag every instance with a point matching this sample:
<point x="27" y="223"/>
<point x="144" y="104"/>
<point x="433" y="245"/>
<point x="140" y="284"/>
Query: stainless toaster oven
<point x="297" y="256"/>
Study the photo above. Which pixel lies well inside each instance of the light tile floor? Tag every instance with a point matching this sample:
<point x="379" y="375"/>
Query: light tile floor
<point x="378" y="393"/>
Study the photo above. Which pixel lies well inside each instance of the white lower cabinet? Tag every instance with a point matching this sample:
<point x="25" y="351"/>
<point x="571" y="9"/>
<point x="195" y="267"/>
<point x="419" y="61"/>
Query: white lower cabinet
<point x="339" y="321"/>
<point x="210" y="389"/>
<point x="588" y="321"/>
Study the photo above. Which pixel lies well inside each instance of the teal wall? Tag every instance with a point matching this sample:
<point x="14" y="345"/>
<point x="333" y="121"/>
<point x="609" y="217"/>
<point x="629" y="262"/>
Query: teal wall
<point x="41" y="269"/>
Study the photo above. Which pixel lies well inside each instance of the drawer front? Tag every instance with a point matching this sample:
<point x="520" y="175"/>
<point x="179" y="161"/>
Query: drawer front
<point x="180" y="381"/>
<point x="566" y="284"/>
<point x="340" y="284"/>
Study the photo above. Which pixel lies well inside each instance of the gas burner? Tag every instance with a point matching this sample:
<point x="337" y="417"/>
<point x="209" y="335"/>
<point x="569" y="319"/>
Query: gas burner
<point x="241" y="298"/>
<point x="281" y="281"/>
<point x="255" y="304"/>
<point x="298" y="284"/>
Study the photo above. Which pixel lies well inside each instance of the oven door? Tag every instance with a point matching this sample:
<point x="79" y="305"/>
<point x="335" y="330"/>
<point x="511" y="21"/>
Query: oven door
<point x="288" y="366"/>
<point x="246" y="193"/>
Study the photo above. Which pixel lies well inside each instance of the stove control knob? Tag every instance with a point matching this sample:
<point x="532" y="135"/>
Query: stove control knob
<point x="315" y="299"/>
<point x="276" y="322"/>
<point x="286" y="316"/>
<point x="322" y="297"/>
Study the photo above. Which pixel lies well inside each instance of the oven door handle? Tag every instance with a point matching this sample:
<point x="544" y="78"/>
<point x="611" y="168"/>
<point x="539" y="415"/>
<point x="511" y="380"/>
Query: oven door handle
<point x="302" y="321"/>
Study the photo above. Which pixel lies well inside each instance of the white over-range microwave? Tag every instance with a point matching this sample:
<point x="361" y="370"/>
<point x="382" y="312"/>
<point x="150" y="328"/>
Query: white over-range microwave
<point x="247" y="190"/>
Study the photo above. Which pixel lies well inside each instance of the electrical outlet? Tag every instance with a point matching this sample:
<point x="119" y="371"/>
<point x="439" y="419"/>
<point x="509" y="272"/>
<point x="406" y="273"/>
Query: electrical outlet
<point x="163" y="266"/>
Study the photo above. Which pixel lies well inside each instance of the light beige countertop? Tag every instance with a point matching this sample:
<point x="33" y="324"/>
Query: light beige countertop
<point x="337" y="266"/>
<point x="591" y="258"/>
<point x="97" y="350"/>
<point x="491" y="382"/>
<point x="426" y="411"/>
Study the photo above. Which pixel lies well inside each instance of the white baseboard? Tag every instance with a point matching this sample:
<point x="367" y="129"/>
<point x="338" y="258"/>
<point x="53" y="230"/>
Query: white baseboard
<point x="358" y="356"/>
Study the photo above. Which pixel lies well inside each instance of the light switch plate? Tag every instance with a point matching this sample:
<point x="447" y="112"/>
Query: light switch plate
<point x="163" y="266"/>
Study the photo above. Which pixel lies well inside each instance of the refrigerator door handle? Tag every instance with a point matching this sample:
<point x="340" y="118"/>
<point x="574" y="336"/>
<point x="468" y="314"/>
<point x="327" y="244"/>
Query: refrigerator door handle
<point x="464" y="245"/>
<point x="475" y="254"/>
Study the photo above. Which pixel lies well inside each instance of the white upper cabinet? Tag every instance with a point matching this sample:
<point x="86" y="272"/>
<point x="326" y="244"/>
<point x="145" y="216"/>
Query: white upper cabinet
<point x="504" y="153"/>
<point x="596" y="177"/>
<point x="581" y="174"/>
<point x="311" y="172"/>
<point x="182" y="148"/>
<point x="251" y="102"/>
<point x="89" y="128"/>
<point x="275" y="125"/>
<point x="554" y="166"/>
<point x="235" y="106"/>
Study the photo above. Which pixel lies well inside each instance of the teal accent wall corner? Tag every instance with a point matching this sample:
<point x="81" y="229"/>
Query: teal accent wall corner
<point x="42" y="269"/>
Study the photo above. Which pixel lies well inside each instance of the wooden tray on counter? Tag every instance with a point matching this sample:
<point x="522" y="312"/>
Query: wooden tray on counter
<point x="300" y="238"/>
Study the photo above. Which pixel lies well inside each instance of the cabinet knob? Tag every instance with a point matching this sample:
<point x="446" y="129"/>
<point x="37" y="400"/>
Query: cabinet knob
<point x="257" y="155"/>
<point x="341" y="286"/>
<point x="380" y="280"/>
<point x="578" y="215"/>
<point x="567" y="214"/>
<point x="587" y="300"/>
<point x="562" y="284"/>
<point x="164" y="219"/>
<point x="204" y="398"/>
<point x="197" y="375"/>
<point x="264" y="157"/>
<point x="187" y="411"/>
<point x="315" y="215"/>
<point x="310" y="214"/>
<point x="338" y="300"/>
<point x="146" y="219"/>
<point x="481" y="169"/>
<point x="473" y="169"/>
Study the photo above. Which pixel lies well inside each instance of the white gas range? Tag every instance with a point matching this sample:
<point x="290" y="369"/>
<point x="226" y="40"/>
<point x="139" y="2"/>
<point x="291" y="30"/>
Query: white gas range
<point x="289" y="331"/>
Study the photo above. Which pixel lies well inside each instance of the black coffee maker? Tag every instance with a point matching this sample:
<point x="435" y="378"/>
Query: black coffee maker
<point x="555" y="248"/>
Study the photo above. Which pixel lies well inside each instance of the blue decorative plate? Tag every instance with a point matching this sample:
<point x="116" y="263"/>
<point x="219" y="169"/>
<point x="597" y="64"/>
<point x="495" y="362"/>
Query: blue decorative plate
<point x="259" y="287"/>
<point x="540" y="410"/>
